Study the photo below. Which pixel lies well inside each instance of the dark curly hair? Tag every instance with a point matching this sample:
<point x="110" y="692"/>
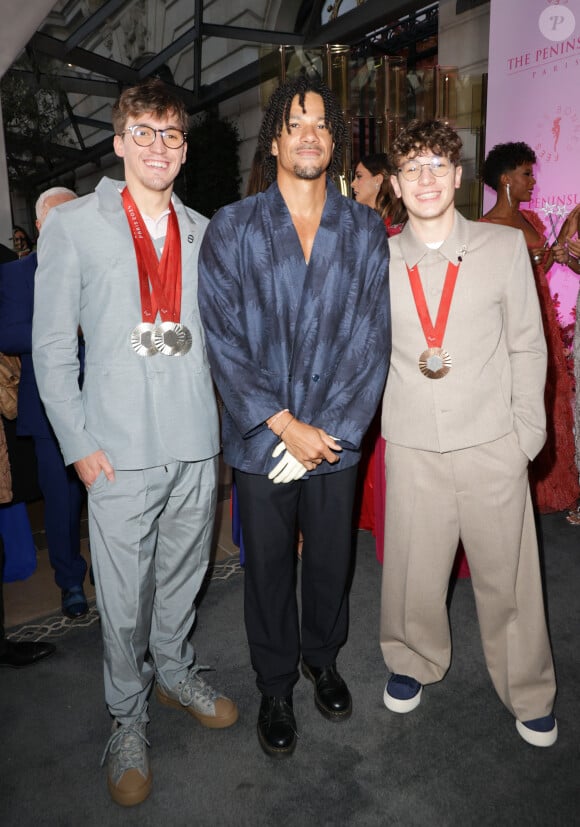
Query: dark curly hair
<point x="505" y="158"/>
<point x="418" y="135"/>
<point x="152" y="95"/>
<point x="387" y="204"/>
<point x="277" y="117"/>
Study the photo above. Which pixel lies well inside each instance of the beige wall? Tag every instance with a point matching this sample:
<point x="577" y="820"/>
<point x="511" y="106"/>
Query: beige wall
<point x="464" y="43"/>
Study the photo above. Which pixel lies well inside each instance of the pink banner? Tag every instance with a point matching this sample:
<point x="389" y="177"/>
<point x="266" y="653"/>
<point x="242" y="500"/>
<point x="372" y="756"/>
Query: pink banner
<point x="534" y="96"/>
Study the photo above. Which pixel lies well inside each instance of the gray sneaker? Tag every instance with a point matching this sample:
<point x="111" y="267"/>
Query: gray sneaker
<point x="197" y="697"/>
<point x="129" y="778"/>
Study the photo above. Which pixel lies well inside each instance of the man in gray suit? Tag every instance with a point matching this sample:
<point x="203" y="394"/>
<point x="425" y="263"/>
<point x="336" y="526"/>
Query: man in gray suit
<point x="463" y="414"/>
<point x="121" y="263"/>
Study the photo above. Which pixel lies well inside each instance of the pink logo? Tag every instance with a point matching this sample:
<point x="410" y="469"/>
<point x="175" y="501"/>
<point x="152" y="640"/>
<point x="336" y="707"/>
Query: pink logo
<point x="557" y="22"/>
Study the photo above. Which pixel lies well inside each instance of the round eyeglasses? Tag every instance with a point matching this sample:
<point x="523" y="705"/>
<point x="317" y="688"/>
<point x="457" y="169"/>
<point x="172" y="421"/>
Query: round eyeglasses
<point x="411" y="170"/>
<point x="145" y="135"/>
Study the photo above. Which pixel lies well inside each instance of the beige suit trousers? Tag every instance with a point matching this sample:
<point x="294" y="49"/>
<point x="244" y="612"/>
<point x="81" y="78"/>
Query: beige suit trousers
<point x="481" y="496"/>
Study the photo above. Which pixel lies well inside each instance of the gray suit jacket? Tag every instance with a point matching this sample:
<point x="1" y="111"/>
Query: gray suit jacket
<point x="142" y="411"/>
<point x="494" y="337"/>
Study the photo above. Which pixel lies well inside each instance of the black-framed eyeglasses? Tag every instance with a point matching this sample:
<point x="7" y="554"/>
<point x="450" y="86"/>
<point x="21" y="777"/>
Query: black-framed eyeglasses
<point x="411" y="170"/>
<point x="144" y="135"/>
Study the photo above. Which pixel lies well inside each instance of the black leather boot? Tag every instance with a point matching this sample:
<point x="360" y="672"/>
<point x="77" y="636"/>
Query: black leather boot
<point x="277" y="726"/>
<point x="331" y="694"/>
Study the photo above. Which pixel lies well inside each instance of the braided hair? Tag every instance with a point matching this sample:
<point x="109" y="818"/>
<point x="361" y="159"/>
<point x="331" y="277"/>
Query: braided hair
<point x="277" y="117"/>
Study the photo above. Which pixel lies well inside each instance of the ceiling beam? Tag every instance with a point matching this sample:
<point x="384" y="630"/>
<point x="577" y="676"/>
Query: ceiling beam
<point x="44" y="44"/>
<point x="237" y="82"/>
<point x="94" y="123"/>
<point x="253" y="35"/>
<point x="16" y="144"/>
<point x="197" y="49"/>
<point x="173" y="49"/>
<point x="69" y="83"/>
<point x="95" y="21"/>
<point x="312" y="17"/>
<point x="355" y="24"/>
<point x="89" y="155"/>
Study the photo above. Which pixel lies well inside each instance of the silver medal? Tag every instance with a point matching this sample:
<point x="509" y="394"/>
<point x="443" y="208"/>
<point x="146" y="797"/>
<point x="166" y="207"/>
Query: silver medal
<point x="142" y="340"/>
<point x="172" y="339"/>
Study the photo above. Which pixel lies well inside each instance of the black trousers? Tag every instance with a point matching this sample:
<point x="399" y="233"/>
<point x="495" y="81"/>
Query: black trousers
<point x="321" y="507"/>
<point x="2" y="635"/>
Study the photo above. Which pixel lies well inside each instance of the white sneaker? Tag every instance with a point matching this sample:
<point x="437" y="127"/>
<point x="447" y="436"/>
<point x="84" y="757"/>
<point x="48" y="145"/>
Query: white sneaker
<point x="539" y="732"/>
<point x="129" y="779"/>
<point x="402" y="693"/>
<point x="197" y="697"/>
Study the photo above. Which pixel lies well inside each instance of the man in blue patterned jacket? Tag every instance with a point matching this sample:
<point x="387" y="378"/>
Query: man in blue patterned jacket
<point x="294" y="298"/>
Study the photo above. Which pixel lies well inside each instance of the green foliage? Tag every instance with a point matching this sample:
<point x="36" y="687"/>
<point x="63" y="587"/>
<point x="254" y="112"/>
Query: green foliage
<point x="30" y="116"/>
<point x="211" y="174"/>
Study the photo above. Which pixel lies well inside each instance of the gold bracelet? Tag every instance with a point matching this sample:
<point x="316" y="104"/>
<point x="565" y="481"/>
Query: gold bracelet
<point x="285" y="426"/>
<point x="276" y="416"/>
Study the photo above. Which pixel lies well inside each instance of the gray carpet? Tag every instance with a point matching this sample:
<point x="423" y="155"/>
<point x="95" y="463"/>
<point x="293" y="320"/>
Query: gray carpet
<point x="456" y="760"/>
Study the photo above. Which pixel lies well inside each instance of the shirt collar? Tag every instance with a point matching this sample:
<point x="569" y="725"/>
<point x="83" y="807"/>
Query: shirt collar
<point x="453" y="248"/>
<point x="157" y="227"/>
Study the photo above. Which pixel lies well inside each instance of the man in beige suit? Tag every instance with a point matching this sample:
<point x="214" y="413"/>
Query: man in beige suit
<point x="463" y="414"/>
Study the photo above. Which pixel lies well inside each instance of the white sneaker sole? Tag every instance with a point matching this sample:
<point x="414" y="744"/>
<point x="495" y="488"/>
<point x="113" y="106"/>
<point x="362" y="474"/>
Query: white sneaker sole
<point x="397" y="705"/>
<point x="538" y="739"/>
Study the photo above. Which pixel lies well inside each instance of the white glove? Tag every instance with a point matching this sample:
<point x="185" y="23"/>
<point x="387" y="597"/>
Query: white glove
<point x="288" y="469"/>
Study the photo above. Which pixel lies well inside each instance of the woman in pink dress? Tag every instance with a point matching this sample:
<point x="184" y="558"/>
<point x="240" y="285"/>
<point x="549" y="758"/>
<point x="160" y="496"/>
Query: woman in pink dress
<point x="371" y="186"/>
<point x="574" y="264"/>
<point x="509" y="170"/>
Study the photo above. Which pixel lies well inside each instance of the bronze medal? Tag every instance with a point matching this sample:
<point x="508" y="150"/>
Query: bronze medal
<point x="172" y="339"/>
<point x="434" y="363"/>
<point x="142" y="339"/>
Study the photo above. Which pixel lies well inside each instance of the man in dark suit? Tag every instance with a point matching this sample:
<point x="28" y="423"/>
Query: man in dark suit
<point x="6" y="254"/>
<point x="295" y="301"/>
<point x="60" y="486"/>
<point x="13" y="653"/>
<point x="18" y="653"/>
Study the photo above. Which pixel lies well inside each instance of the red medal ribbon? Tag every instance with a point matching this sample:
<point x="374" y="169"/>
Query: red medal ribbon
<point x="159" y="280"/>
<point x="433" y="335"/>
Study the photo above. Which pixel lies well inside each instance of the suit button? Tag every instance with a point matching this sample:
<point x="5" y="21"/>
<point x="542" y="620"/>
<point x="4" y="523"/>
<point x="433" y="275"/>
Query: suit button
<point x="315" y="377"/>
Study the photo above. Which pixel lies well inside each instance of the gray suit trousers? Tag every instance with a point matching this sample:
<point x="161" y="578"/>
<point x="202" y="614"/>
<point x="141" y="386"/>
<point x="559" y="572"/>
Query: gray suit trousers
<point x="150" y="533"/>
<point x="481" y="495"/>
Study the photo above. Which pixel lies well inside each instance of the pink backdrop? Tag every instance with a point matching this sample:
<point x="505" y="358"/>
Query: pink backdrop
<point x="534" y="96"/>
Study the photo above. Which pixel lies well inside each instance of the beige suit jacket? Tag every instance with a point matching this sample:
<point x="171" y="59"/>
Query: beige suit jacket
<point x="494" y="337"/>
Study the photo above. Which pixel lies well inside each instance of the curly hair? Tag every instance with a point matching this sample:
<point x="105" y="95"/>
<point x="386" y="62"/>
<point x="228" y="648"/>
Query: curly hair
<point x="150" y="96"/>
<point x="387" y="204"/>
<point x="277" y="117"/>
<point x="504" y="158"/>
<point x="434" y="135"/>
